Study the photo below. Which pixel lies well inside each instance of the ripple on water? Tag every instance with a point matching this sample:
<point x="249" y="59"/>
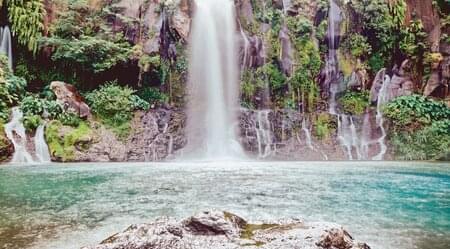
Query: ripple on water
<point x="389" y="205"/>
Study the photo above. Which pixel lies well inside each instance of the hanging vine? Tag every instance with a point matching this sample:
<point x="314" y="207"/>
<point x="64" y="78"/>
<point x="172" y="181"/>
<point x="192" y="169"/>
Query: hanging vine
<point x="27" y="19"/>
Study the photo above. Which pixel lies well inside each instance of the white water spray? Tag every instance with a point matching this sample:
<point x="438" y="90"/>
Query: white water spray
<point x="213" y="82"/>
<point x="264" y="136"/>
<point x="6" y="45"/>
<point x="42" y="152"/>
<point x="382" y="99"/>
<point x="16" y="133"/>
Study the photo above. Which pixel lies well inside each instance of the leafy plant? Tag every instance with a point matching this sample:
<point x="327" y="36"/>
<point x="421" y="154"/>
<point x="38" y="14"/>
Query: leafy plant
<point x="69" y="119"/>
<point x="31" y="122"/>
<point x="357" y="45"/>
<point x="429" y="143"/>
<point x="27" y="19"/>
<point x="323" y="126"/>
<point x="354" y="103"/>
<point x="152" y="95"/>
<point x="415" y="110"/>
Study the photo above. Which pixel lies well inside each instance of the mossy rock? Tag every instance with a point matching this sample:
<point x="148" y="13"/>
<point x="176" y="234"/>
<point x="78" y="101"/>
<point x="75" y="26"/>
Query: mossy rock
<point x="6" y="147"/>
<point x="64" y="141"/>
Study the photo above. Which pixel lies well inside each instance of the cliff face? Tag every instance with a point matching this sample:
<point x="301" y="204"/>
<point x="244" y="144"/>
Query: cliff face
<point x="292" y="55"/>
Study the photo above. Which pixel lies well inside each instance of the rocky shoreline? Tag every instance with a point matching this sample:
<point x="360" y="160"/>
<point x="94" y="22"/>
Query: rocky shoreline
<point x="216" y="229"/>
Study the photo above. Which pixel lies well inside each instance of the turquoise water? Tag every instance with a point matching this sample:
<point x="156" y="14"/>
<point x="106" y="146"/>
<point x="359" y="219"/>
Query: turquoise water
<point x="389" y="205"/>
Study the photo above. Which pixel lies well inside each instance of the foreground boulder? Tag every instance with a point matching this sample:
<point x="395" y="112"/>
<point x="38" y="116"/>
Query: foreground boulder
<point x="213" y="230"/>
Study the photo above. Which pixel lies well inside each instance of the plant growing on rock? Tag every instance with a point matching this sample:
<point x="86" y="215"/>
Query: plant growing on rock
<point x="415" y="111"/>
<point x="114" y="105"/>
<point x="354" y="103"/>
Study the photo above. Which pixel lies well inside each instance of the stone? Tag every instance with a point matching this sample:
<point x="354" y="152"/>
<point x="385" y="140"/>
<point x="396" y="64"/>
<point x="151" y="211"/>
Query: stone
<point x="68" y="96"/>
<point x="216" y="229"/>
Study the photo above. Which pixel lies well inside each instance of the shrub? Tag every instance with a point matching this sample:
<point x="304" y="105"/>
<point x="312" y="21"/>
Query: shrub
<point x="415" y="110"/>
<point x="31" y="122"/>
<point x="299" y="26"/>
<point x="323" y="126"/>
<point x="152" y="95"/>
<point x="114" y="105"/>
<point x="357" y="45"/>
<point x="271" y="73"/>
<point x="69" y="119"/>
<point x="354" y="103"/>
<point x="32" y="105"/>
<point x="429" y="143"/>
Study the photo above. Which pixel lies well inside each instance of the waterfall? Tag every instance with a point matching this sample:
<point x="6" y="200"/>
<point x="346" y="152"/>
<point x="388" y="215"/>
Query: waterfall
<point x="286" y="5"/>
<point x="331" y="66"/>
<point x="6" y="45"/>
<point x="246" y="49"/>
<point x="42" y="152"/>
<point x="213" y="81"/>
<point x="264" y="135"/>
<point x="382" y="99"/>
<point x="16" y="133"/>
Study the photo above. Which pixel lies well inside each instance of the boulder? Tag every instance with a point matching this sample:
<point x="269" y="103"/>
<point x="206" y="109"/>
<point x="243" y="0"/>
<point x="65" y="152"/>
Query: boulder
<point x="6" y="146"/>
<point x="68" y="96"/>
<point x="215" y="229"/>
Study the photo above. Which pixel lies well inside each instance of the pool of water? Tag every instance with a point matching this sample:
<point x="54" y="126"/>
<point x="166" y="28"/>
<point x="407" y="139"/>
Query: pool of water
<point x="388" y="205"/>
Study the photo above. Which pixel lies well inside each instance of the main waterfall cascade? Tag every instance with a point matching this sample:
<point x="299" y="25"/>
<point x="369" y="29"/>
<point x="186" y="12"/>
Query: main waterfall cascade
<point x="6" y="45"/>
<point x="213" y="82"/>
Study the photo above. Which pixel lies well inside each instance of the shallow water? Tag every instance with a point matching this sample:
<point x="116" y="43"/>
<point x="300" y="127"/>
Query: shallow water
<point x="389" y="205"/>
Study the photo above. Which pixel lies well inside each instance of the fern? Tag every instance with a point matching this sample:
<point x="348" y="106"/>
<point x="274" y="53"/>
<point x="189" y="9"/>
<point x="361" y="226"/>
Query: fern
<point x="27" y="19"/>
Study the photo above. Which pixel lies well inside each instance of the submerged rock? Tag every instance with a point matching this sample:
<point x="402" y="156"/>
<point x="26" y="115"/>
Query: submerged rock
<point x="215" y="229"/>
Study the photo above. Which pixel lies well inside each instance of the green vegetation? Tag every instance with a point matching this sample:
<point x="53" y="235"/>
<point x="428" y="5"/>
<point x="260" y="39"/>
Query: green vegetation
<point x="12" y="89"/>
<point x="63" y="147"/>
<point x="31" y="122"/>
<point x="415" y="111"/>
<point x="114" y="105"/>
<point x="354" y="103"/>
<point x="420" y="128"/>
<point x="27" y="19"/>
<point x="323" y="126"/>
<point x="429" y="143"/>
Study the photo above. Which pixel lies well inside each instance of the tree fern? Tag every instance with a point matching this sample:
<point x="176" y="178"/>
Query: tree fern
<point x="27" y="19"/>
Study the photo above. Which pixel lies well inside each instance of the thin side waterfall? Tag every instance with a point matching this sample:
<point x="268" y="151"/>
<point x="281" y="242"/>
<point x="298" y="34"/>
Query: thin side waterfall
<point x="6" y="45"/>
<point x="286" y="5"/>
<point x="42" y="152"/>
<point x="264" y="136"/>
<point x="382" y="99"/>
<point x="332" y="67"/>
<point x="16" y="133"/>
<point x="213" y="82"/>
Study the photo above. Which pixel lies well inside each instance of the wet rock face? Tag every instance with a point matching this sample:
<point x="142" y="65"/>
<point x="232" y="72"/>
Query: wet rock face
<point x="157" y="135"/>
<point x="285" y="135"/>
<point x="212" y="230"/>
<point x="68" y="96"/>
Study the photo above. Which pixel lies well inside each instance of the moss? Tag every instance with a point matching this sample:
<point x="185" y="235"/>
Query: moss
<point x="346" y="64"/>
<point x="323" y="126"/>
<point x="64" y="140"/>
<point x="354" y="103"/>
<point x="4" y="144"/>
